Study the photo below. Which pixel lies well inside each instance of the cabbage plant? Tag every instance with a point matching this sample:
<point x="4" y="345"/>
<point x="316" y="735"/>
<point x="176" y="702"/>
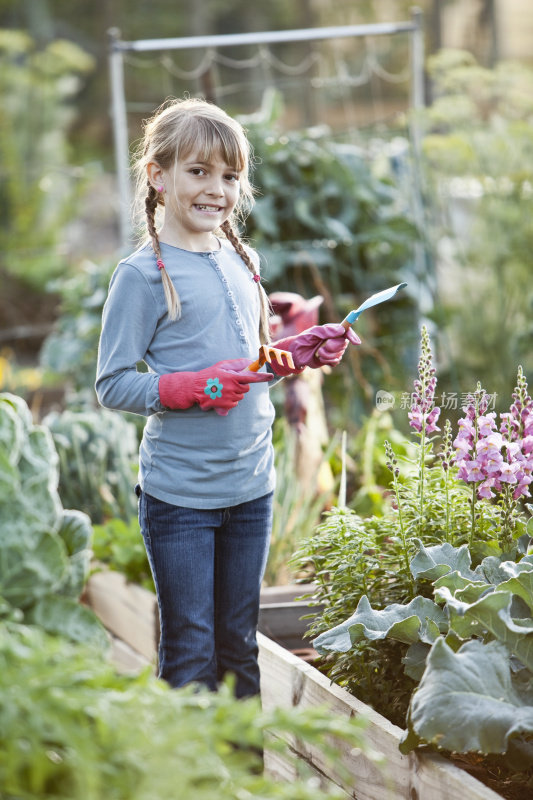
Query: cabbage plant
<point x="44" y="548"/>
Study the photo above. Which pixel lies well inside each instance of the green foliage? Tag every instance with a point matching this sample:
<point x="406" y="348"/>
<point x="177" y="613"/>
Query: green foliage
<point x="37" y="86"/>
<point x="98" y="457"/>
<point x="70" y="727"/>
<point x="371" y="471"/>
<point x="478" y="151"/>
<point x="70" y="350"/>
<point x="325" y="222"/>
<point x="45" y="550"/>
<point x="296" y="509"/>
<point x="442" y="584"/>
<point x="119" y="545"/>
<point x="338" y="217"/>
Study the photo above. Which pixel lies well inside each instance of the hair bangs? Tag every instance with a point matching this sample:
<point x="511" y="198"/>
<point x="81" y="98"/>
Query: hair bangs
<point x="209" y="138"/>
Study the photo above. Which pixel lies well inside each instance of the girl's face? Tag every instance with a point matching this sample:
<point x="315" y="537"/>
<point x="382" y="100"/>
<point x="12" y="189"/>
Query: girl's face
<point x="199" y="196"/>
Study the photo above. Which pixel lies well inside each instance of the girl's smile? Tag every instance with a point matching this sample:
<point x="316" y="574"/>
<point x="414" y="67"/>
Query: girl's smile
<point x="200" y="196"/>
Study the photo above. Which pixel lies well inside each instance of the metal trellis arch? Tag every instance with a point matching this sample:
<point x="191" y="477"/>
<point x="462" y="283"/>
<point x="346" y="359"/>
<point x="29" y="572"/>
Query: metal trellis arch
<point x="119" y="47"/>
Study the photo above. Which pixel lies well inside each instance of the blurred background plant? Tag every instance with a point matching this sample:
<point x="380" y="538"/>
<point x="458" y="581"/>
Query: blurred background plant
<point x="71" y="727"/>
<point x="118" y="544"/>
<point x="39" y="182"/>
<point x="46" y="549"/>
<point x="478" y="152"/>
<point x="98" y="462"/>
<point x="70" y="350"/>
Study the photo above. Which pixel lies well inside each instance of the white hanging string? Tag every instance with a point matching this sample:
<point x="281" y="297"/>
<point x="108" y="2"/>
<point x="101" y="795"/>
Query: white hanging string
<point x="189" y="75"/>
<point x="286" y="69"/>
<point x="379" y="70"/>
<point x="342" y="76"/>
<point x="333" y="74"/>
<point x="265" y="56"/>
<point x="241" y="63"/>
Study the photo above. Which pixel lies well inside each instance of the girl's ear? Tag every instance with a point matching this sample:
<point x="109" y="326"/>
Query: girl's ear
<point x="155" y="176"/>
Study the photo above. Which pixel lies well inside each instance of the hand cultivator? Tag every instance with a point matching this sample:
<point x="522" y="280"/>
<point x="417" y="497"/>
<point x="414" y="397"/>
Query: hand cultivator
<point x="267" y="353"/>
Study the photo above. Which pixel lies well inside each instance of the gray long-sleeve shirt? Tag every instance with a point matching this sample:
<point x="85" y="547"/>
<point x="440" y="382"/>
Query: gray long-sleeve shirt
<point x="191" y="458"/>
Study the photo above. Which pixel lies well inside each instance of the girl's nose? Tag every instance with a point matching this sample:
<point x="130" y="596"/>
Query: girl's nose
<point x="215" y="187"/>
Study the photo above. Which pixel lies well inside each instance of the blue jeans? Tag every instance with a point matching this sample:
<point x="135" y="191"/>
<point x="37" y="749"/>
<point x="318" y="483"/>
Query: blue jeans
<point x="207" y="567"/>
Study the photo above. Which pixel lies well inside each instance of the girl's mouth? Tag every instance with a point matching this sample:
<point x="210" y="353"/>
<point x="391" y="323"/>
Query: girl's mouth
<point x="213" y="209"/>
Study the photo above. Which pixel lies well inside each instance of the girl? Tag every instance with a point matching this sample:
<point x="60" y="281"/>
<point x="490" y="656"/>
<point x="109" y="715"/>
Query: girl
<point x="189" y="303"/>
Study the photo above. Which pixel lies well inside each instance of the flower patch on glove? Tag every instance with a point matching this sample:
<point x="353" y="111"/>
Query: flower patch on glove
<point x="213" y="388"/>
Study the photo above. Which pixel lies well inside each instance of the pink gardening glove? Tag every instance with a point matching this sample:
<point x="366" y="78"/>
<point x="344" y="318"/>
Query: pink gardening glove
<point x="220" y="387"/>
<point x="319" y="345"/>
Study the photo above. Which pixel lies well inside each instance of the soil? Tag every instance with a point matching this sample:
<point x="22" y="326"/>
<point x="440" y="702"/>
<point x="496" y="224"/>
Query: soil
<point x="517" y="786"/>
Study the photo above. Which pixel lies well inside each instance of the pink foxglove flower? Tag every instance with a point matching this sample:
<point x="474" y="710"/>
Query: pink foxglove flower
<point x="424" y="414"/>
<point x="496" y="459"/>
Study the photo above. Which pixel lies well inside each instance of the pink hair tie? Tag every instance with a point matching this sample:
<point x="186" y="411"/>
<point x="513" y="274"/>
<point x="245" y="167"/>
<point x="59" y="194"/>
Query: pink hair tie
<point x="160" y="264"/>
<point x="257" y="278"/>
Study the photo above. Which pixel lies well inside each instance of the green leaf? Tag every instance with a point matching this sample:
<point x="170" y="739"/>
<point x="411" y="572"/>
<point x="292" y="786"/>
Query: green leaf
<point x="67" y="617"/>
<point x="408" y="624"/>
<point x="430" y="563"/>
<point x="415" y="659"/>
<point x="13" y="423"/>
<point x="76" y="531"/>
<point x="458" y="585"/>
<point x="466" y="701"/>
<point x="491" y="571"/>
<point x="78" y="570"/>
<point x="521" y="581"/>
<point x="27" y="574"/>
<point x="492" y="614"/>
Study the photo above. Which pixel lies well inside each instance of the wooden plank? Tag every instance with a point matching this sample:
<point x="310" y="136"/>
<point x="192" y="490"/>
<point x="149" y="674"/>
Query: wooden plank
<point x="287" y="681"/>
<point x="285" y="594"/>
<point x="283" y="623"/>
<point x="280" y="615"/>
<point x="128" y="611"/>
<point x="126" y="660"/>
<point x="281" y="768"/>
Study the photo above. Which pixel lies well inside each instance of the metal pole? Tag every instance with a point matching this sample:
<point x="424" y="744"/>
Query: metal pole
<point x="417" y="60"/>
<point x="423" y="260"/>
<point x="267" y="37"/>
<point x="120" y="134"/>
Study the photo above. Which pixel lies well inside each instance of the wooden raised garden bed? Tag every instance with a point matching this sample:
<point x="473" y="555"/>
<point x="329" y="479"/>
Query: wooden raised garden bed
<point x="130" y="615"/>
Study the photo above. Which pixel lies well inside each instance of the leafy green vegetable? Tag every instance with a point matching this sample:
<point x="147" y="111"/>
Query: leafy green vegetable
<point x="466" y="701"/>
<point x="120" y="546"/>
<point x="70" y="727"/>
<point x="98" y="462"/>
<point x="44" y="550"/>
<point x="420" y="619"/>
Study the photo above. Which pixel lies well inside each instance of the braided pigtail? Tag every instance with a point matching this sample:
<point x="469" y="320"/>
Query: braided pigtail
<point x="264" y="305"/>
<point x="173" y="301"/>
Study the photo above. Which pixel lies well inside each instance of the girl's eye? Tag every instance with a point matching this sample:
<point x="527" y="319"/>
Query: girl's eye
<point x="197" y="171"/>
<point x="232" y="178"/>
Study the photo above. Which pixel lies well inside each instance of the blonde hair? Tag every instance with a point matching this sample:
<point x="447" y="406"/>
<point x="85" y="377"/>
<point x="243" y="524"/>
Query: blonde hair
<point x="177" y="129"/>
